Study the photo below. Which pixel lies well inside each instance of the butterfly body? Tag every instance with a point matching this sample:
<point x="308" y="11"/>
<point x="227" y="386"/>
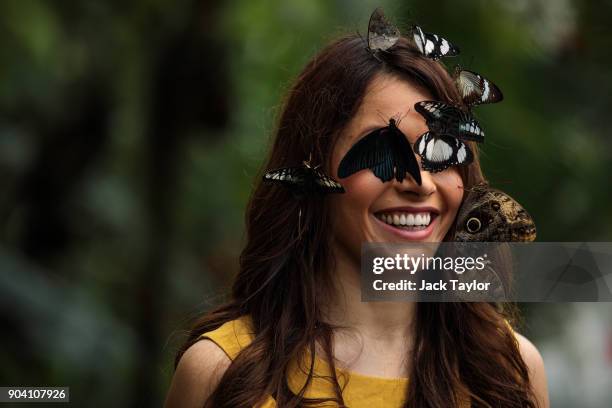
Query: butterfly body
<point x="303" y="180"/>
<point x="386" y="152"/>
<point x="490" y="215"/>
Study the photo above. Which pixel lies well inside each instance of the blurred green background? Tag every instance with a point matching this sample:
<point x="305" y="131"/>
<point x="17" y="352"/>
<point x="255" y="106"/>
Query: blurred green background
<point x="130" y="133"/>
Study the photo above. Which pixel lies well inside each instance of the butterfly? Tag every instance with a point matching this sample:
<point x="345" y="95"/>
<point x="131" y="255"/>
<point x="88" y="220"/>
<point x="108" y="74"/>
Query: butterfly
<point x="490" y="215"/>
<point x="443" y="118"/>
<point x="476" y="89"/>
<point x="432" y="45"/>
<point x="444" y="144"/>
<point x="386" y="152"/>
<point x="382" y="35"/>
<point x="439" y="152"/>
<point x="303" y="180"/>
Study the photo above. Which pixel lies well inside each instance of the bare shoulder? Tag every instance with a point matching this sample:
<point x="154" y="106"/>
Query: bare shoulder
<point x="197" y="375"/>
<point x="535" y="364"/>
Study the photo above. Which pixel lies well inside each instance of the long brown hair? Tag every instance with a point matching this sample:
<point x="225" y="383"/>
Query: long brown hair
<point x="462" y="349"/>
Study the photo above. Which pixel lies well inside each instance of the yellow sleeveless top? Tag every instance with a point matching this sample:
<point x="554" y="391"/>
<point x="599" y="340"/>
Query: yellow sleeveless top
<point x="360" y="391"/>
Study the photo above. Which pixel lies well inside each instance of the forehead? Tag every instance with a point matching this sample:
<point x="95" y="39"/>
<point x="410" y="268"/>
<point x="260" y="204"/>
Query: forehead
<point x="388" y="97"/>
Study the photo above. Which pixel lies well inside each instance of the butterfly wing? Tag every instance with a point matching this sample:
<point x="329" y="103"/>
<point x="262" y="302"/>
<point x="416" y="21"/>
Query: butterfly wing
<point x="439" y="152"/>
<point x="373" y="152"/>
<point x="445" y="119"/>
<point x="382" y="35"/>
<point x="325" y="184"/>
<point x="476" y="89"/>
<point x="491" y="215"/>
<point x="404" y="159"/>
<point x="432" y="45"/>
<point x="288" y="176"/>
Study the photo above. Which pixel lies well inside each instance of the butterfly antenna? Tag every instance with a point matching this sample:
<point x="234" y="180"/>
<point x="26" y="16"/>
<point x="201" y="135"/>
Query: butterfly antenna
<point x="400" y="116"/>
<point x="382" y="117"/>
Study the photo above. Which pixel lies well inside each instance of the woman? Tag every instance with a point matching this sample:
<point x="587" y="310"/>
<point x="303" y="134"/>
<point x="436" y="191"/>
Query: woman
<point x="296" y="332"/>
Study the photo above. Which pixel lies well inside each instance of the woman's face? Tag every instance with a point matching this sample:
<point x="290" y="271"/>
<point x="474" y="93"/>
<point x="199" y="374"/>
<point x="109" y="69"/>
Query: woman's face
<point x="373" y="211"/>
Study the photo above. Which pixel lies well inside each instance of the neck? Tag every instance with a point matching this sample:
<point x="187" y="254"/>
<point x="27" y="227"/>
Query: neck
<point x="385" y="321"/>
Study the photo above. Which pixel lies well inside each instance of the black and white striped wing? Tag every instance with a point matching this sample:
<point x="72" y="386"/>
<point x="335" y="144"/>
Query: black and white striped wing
<point x="382" y="35"/>
<point x="439" y="152"/>
<point x="287" y="176"/>
<point x="303" y="180"/>
<point x="476" y="89"/>
<point x="446" y="119"/>
<point x="432" y="45"/>
<point x="326" y="184"/>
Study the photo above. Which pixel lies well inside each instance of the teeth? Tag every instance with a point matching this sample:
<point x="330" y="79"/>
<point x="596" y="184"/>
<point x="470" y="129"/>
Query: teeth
<point x="406" y="219"/>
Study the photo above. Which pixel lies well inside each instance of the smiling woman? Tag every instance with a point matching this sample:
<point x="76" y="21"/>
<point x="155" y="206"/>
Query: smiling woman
<point x="295" y="332"/>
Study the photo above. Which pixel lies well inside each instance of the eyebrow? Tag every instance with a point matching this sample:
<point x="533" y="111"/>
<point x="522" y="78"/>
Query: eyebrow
<point x="369" y="129"/>
<point x="375" y="126"/>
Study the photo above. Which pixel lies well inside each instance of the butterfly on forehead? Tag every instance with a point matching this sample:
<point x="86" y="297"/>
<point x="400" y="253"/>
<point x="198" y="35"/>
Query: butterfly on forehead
<point x="444" y="145"/>
<point x="476" y="89"/>
<point x="386" y="152"/>
<point x="303" y="180"/>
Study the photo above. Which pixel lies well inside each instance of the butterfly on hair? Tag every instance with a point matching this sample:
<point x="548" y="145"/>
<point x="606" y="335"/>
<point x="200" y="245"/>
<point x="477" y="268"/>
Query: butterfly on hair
<point x="432" y="45"/>
<point x="303" y="180"/>
<point x="386" y="152"/>
<point x="444" y="145"/>
<point x="475" y="89"/>
<point x="382" y="35"/>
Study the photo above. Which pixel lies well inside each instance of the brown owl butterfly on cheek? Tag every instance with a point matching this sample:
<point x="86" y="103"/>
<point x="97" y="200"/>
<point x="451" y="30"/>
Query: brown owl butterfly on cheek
<point x="490" y="215"/>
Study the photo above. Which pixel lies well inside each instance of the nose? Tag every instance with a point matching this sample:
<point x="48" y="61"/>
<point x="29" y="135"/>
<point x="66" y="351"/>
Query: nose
<point x="408" y="185"/>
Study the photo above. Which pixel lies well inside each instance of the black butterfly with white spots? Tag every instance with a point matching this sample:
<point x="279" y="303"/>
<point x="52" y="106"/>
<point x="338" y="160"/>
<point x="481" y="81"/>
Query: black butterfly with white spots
<point x="432" y="45"/>
<point x="444" y="144"/>
<point x="439" y="152"/>
<point x="476" y="89"/>
<point x="386" y="152"/>
<point x="382" y="35"/>
<point x="445" y="119"/>
<point x="303" y="180"/>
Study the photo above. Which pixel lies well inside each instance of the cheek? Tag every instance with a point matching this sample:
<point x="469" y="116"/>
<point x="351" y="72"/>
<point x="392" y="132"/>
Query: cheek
<point x="450" y="187"/>
<point x="361" y="190"/>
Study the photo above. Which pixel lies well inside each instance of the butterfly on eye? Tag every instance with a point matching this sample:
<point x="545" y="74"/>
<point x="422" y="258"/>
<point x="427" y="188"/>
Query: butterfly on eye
<point x="476" y="89"/>
<point x="490" y="215"/>
<point x="303" y="180"/>
<point x="382" y="35"/>
<point x="386" y="152"/>
<point x="444" y="144"/>
<point x="432" y="45"/>
<point x="439" y="152"/>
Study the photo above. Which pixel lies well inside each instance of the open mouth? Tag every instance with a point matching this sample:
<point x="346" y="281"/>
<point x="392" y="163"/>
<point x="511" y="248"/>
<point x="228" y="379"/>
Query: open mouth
<point x="409" y="221"/>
